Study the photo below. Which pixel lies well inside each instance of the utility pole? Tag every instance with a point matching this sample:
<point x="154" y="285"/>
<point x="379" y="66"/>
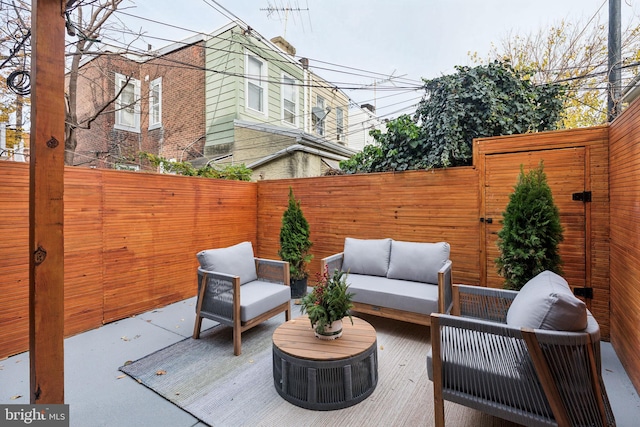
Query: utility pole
<point x="615" y="60"/>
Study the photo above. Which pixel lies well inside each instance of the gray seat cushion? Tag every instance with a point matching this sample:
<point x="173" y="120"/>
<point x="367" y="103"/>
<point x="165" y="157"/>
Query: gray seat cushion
<point x="392" y="293"/>
<point x="546" y="302"/>
<point x="256" y="298"/>
<point x="369" y="256"/>
<point x="418" y="262"/>
<point x="237" y="260"/>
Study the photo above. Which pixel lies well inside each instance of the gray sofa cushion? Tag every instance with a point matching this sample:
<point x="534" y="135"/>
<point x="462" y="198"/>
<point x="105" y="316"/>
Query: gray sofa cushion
<point x="546" y="302"/>
<point x="237" y="260"/>
<point x="366" y="256"/>
<point x="391" y="293"/>
<point x="418" y="262"/>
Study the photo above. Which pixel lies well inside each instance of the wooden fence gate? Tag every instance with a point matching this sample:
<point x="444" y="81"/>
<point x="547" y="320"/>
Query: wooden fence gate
<point x="566" y="171"/>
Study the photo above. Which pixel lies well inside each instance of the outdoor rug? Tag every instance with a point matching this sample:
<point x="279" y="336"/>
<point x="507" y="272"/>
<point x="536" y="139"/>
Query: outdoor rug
<point x="204" y="378"/>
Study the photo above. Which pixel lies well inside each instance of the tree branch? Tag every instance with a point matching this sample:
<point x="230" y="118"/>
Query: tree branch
<point x="86" y="124"/>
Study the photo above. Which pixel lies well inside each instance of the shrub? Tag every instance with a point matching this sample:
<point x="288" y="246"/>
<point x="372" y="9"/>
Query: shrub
<point x="531" y="232"/>
<point x="294" y="239"/>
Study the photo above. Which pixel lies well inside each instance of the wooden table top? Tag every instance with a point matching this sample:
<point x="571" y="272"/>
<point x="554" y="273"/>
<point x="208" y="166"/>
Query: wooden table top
<point x="296" y="338"/>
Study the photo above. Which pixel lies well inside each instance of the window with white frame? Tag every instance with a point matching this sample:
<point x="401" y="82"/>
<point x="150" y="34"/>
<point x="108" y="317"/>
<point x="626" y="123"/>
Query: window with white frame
<point x="127" y="103"/>
<point x="339" y="124"/>
<point x="256" y="84"/>
<point x="289" y="100"/>
<point x="317" y="118"/>
<point x="155" y="103"/>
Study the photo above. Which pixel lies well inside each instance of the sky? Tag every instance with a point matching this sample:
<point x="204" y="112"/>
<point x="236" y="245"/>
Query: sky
<point x="366" y="43"/>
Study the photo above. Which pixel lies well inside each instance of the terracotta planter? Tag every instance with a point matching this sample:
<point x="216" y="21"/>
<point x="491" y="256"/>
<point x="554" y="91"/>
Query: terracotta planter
<point x="331" y="332"/>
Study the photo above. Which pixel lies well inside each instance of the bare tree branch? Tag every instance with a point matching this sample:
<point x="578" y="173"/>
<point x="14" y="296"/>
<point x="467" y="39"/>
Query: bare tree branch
<point x="86" y="124"/>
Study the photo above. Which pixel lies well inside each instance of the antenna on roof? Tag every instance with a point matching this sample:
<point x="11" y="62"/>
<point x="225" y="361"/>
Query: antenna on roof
<point x="282" y="11"/>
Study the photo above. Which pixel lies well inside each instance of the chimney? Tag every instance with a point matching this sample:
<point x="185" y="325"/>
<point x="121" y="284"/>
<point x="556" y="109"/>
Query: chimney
<point x="284" y="45"/>
<point x="305" y="63"/>
<point x="369" y="107"/>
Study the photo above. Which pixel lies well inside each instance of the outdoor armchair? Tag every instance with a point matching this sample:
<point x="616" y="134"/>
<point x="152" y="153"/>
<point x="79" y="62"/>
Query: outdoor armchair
<point x="238" y="290"/>
<point x="532" y="374"/>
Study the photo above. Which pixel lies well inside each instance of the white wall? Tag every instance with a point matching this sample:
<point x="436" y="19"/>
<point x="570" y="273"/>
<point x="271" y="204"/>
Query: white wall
<point x="361" y="121"/>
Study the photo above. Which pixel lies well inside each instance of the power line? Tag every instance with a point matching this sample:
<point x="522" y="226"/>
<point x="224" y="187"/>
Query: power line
<point x="369" y="74"/>
<point x="329" y="85"/>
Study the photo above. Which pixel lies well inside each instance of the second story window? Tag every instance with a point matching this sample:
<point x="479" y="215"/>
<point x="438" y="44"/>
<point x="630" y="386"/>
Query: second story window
<point x="256" y="84"/>
<point x="339" y="124"/>
<point x="127" y="104"/>
<point x="318" y="116"/>
<point x="155" y="103"/>
<point x="289" y="100"/>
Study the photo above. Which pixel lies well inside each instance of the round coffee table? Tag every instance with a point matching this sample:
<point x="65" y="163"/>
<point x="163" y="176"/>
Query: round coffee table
<point x="324" y="375"/>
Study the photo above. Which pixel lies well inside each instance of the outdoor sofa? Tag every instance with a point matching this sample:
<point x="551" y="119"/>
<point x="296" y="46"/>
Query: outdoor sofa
<point x="396" y="279"/>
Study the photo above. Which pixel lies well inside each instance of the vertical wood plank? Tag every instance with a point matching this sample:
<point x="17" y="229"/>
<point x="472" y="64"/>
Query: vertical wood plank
<point x="624" y="165"/>
<point x="46" y="206"/>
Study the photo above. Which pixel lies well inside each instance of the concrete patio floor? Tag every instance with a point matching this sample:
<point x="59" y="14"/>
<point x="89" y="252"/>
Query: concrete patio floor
<point x="100" y="395"/>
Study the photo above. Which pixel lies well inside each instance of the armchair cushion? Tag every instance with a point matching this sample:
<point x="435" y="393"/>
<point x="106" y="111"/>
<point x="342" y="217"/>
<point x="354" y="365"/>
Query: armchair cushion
<point x="256" y="298"/>
<point x="237" y="260"/>
<point x="369" y="257"/>
<point x="417" y="262"/>
<point x="546" y="302"/>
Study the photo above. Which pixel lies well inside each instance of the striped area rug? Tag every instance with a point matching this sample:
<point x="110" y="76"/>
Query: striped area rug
<point x="204" y="378"/>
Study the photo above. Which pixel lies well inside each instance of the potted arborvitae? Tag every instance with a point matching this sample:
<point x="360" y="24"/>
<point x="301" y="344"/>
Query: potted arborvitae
<point x="295" y="245"/>
<point x="531" y="232"/>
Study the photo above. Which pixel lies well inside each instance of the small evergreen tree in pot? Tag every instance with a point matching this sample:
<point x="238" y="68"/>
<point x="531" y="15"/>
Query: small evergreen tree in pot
<point x="531" y="232"/>
<point x="295" y="245"/>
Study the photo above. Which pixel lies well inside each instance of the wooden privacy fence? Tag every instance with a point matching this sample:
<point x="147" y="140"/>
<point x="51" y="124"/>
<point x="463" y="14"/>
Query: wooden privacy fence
<point x="419" y="206"/>
<point x="131" y="238"/>
<point x="624" y="183"/>
<point x="464" y="206"/>
<point x="130" y="242"/>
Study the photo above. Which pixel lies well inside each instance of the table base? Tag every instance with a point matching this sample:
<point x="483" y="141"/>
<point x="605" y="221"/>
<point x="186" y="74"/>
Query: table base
<point x="325" y="385"/>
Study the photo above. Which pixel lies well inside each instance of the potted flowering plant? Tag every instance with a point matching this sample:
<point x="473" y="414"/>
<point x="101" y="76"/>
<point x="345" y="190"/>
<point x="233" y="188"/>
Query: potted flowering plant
<point x="328" y="304"/>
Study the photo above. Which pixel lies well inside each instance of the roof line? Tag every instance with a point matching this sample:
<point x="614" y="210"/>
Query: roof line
<point x="292" y="149"/>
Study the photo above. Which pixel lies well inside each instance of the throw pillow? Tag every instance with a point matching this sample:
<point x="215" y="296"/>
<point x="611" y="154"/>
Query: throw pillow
<point x="366" y="256"/>
<point x="237" y="260"/>
<point x="546" y="302"/>
<point x="418" y="262"/>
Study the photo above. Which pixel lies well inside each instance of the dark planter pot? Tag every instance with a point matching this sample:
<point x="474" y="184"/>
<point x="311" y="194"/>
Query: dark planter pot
<point x="298" y="288"/>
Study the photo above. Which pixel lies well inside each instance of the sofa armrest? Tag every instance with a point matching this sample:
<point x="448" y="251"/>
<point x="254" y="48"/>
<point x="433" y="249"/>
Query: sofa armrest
<point x="271" y="270"/>
<point x="445" y="288"/>
<point x="332" y="263"/>
<point x="482" y="303"/>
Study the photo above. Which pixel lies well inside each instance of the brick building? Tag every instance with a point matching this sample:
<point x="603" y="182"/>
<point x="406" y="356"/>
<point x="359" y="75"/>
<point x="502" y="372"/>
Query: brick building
<point x="159" y="107"/>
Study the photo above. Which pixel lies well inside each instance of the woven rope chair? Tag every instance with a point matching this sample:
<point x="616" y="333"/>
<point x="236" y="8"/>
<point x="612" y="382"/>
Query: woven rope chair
<point x="242" y="299"/>
<point x="532" y="377"/>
